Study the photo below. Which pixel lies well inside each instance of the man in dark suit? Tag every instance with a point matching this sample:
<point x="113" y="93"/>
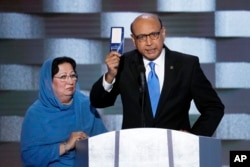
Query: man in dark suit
<point x="179" y="77"/>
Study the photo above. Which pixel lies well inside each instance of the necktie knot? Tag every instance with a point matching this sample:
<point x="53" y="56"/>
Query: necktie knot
<point x="152" y="66"/>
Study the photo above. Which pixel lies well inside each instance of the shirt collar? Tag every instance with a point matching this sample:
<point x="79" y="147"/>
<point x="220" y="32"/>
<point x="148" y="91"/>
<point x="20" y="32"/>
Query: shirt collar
<point x="160" y="60"/>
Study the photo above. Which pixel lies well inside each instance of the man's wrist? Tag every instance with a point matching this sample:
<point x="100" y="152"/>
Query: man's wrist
<point x="107" y="86"/>
<point x="108" y="78"/>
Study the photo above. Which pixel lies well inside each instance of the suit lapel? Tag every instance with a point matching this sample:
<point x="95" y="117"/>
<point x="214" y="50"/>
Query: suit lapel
<point x="134" y="64"/>
<point x="168" y="78"/>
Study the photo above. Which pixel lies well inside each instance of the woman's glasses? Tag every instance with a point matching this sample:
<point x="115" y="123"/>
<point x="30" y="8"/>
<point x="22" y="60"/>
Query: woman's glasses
<point x="73" y="77"/>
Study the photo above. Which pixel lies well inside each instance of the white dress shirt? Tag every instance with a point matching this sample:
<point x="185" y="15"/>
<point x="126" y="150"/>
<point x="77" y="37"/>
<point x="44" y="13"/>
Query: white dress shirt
<point x="159" y="67"/>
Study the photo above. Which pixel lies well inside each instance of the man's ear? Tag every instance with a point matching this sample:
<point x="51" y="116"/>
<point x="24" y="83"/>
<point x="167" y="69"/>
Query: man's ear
<point x="133" y="39"/>
<point x="164" y="32"/>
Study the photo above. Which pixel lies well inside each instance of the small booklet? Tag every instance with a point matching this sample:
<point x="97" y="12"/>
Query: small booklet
<point x="117" y="39"/>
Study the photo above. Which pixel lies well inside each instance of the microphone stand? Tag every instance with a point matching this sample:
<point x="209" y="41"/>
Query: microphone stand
<point x="142" y="91"/>
<point x="142" y="107"/>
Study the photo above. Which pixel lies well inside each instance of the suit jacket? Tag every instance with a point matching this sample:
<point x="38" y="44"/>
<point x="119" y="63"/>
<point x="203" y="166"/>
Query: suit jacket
<point x="184" y="80"/>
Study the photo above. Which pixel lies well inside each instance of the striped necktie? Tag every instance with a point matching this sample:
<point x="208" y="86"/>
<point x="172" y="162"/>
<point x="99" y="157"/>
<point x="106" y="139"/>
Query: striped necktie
<point x="153" y="87"/>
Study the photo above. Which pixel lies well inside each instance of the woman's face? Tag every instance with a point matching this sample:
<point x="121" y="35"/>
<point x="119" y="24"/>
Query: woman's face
<point x="64" y="82"/>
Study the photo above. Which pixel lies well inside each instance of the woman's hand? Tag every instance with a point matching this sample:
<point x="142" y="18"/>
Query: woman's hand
<point x="71" y="142"/>
<point x="75" y="136"/>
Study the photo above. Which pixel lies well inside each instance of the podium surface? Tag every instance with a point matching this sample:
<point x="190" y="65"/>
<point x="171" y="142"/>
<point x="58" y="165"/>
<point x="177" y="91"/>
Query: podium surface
<point x="148" y="147"/>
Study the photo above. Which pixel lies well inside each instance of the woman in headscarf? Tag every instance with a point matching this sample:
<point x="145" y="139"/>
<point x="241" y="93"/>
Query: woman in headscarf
<point x="59" y="117"/>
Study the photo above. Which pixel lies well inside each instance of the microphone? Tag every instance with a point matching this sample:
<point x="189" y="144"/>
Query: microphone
<point x="141" y="70"/>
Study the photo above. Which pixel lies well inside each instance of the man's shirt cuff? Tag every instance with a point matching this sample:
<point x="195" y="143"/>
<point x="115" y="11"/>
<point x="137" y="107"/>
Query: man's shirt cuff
<point x="107" y="86"/>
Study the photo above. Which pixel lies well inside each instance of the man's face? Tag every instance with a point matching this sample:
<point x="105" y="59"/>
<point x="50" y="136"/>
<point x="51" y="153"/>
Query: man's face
<point x="148" y="37"/>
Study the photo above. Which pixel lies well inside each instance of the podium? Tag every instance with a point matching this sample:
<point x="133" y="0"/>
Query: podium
<point x="148" y="147"/>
